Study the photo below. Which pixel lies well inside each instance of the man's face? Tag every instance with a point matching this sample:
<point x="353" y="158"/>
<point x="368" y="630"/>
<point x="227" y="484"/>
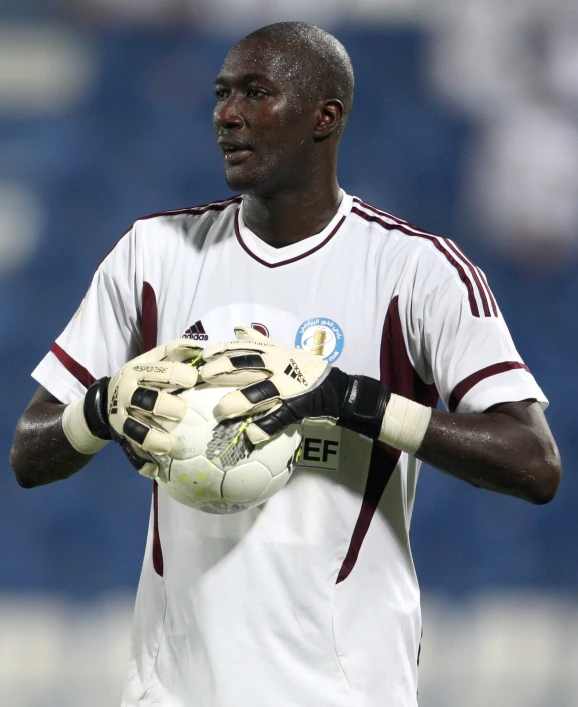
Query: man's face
<point x="262" y="122"/>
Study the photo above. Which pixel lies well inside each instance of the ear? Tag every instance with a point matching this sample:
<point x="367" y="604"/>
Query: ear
<point x="329" y="119"/>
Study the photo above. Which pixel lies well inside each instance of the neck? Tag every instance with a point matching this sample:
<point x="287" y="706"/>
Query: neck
<point x="290" y="217"/>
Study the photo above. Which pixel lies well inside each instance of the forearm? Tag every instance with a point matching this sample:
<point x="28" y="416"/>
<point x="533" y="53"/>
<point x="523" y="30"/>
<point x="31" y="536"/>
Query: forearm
<point x="509" y="451"/>
<point x="41" y="453"/>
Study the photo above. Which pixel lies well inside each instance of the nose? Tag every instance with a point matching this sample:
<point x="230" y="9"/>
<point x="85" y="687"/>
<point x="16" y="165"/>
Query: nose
<point x="228" y="115"/>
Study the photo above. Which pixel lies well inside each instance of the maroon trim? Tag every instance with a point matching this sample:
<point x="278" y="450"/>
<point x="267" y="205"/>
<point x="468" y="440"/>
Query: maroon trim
<point x="290" y="260"/>
<point x="196" y="210"/>
<point x="149" y="330"/>
<point x="480" y="283"/>
<point x="401" y="378"/>
<point x="472" y="268"/>
<point x="158" y="560"/>
<point x="468" y="383"/>
<point x="149" y="323"/>
<point x="490" y="293"/>
<point x="79" y="372"/>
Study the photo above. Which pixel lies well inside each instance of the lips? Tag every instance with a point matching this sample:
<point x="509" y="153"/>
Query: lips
<point x="234" y="151"/>
<point x="236" y="155"/>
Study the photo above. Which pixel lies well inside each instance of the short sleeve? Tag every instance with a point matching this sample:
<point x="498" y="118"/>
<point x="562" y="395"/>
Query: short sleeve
<point x="457" y="337"/>
<point x="104" y="332"/>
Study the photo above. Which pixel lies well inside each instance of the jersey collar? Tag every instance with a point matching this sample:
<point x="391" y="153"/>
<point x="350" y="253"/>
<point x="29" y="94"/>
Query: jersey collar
<point x="275" y="257"/>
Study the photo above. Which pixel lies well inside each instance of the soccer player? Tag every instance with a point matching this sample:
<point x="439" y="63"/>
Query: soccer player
<point x="311" y="599"/>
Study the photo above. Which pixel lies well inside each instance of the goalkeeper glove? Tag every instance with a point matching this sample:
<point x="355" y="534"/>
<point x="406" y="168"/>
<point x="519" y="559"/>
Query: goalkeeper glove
<point x="290" y="385"/>
<point x="124" y="408"/>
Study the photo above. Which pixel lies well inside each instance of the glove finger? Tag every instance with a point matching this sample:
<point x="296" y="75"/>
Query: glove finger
<point x="183" y="350"/>
<point x="146" y="437"/>
<point x="275" y="421"/>
<point x="235" y="369"/>
<point x="158" y="403"/>
<point x="253" y="398"/>
<point x="245" y="333"/>
<point x="150" y="470"/>
<point x="168" y="374"/>
<point x="232" y="347"/>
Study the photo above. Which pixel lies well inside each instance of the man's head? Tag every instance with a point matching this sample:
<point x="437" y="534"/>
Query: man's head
<point x="283" y="97"/>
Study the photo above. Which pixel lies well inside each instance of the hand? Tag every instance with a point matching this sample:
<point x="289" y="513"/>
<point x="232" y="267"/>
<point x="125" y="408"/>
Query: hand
<point x="127" y="406"/>
<point x="290" y="385"/>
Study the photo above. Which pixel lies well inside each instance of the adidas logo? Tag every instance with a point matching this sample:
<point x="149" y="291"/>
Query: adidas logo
<point x="294" y="371"/>
<point x="196" y="332"/>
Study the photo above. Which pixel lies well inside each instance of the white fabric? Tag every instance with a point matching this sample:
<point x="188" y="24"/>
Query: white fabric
<point x="249" y="611"/>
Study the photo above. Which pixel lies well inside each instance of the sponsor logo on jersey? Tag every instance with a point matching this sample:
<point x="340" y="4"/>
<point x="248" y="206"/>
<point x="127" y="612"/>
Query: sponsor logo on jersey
<point x="322" y="337"/>
<point x="320" y="448"/>
<point x="196" y="332"/>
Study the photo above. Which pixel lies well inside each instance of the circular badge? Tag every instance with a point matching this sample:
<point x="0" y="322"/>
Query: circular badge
<point x="322" y="337"/>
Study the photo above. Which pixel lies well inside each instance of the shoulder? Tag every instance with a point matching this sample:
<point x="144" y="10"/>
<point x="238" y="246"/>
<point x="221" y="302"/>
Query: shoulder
<point x="190" y="215"/>
<point x="163" y="228"/>
<point x="425" y="246"/>
<point x="435" y="260"/>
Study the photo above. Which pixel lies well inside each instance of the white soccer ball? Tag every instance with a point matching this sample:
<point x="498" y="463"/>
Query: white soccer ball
<point x="214" y="467"/>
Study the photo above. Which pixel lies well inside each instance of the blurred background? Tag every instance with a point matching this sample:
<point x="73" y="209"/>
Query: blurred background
<point x="466" y="123"/>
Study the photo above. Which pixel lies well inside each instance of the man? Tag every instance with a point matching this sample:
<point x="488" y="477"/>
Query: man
<point x="311" y="599"/>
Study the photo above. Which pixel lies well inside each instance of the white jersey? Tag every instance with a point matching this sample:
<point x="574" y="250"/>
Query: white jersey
<point x="310" y="600"/>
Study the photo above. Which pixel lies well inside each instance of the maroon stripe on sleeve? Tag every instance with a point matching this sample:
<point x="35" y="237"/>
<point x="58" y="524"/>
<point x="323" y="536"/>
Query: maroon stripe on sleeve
<point x="72" y="366"/>
<point x="474" y="272"/>
<point x="149" y="324"/>
<point x="468" y="383"/>
<point x="401" y="378"/>
<point x="491" y="294"/>
<point x="158" y="560"/>
<point x="436" y="242"/>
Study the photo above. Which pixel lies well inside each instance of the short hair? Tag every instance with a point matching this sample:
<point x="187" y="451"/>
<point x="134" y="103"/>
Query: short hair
<point x="316" y="58"/>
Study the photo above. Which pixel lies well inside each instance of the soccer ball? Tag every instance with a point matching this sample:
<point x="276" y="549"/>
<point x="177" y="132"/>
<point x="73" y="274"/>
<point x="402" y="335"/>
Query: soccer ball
<point x="214" y="467"/>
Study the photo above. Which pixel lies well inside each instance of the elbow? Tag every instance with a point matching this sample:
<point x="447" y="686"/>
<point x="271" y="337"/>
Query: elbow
<point x="24" y="478"/>
<point x="546" y="479"/>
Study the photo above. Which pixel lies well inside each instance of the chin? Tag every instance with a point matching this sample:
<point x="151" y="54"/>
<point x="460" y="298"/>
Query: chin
<point x="245" y="184"/>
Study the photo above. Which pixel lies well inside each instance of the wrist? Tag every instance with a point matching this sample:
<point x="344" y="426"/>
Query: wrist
<point x="362" y="402"/>
<point x="404" y="424"/>
<point x="77" y="431"/>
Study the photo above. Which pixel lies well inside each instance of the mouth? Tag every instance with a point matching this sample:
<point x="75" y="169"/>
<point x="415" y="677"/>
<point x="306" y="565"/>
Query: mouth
<point x="236" y="155"/>
<point x="234" y="152"/>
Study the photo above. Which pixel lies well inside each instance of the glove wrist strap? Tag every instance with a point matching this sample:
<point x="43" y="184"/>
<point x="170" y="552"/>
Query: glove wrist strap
<point x="404" y="424"/>
<point x="95" y="409"/>
<point x="77" y="431"/>
<point x="363" y="402"/>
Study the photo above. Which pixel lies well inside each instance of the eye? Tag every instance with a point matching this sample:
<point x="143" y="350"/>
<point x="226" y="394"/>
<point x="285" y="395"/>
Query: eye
<point x="254" y="92"/>
<point x="221" y="94"/>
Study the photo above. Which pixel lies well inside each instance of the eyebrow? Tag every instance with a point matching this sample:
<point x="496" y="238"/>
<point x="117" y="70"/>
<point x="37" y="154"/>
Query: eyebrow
<point x="244" y="79"/>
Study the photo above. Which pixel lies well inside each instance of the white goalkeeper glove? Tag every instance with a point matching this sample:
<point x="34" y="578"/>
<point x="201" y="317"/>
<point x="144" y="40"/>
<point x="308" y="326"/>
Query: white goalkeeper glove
<point x="290" y="385"/>
<point x="125" y="408"/>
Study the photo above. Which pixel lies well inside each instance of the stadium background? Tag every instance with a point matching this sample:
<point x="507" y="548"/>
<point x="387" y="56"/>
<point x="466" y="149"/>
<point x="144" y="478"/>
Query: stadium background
<point x="466" y="123"/>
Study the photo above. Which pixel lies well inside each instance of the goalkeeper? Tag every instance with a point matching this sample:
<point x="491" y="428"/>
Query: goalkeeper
<point x="311" y="598"/>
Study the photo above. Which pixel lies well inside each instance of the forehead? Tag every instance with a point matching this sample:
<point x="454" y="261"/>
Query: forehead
<point x="262" y="58"/>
